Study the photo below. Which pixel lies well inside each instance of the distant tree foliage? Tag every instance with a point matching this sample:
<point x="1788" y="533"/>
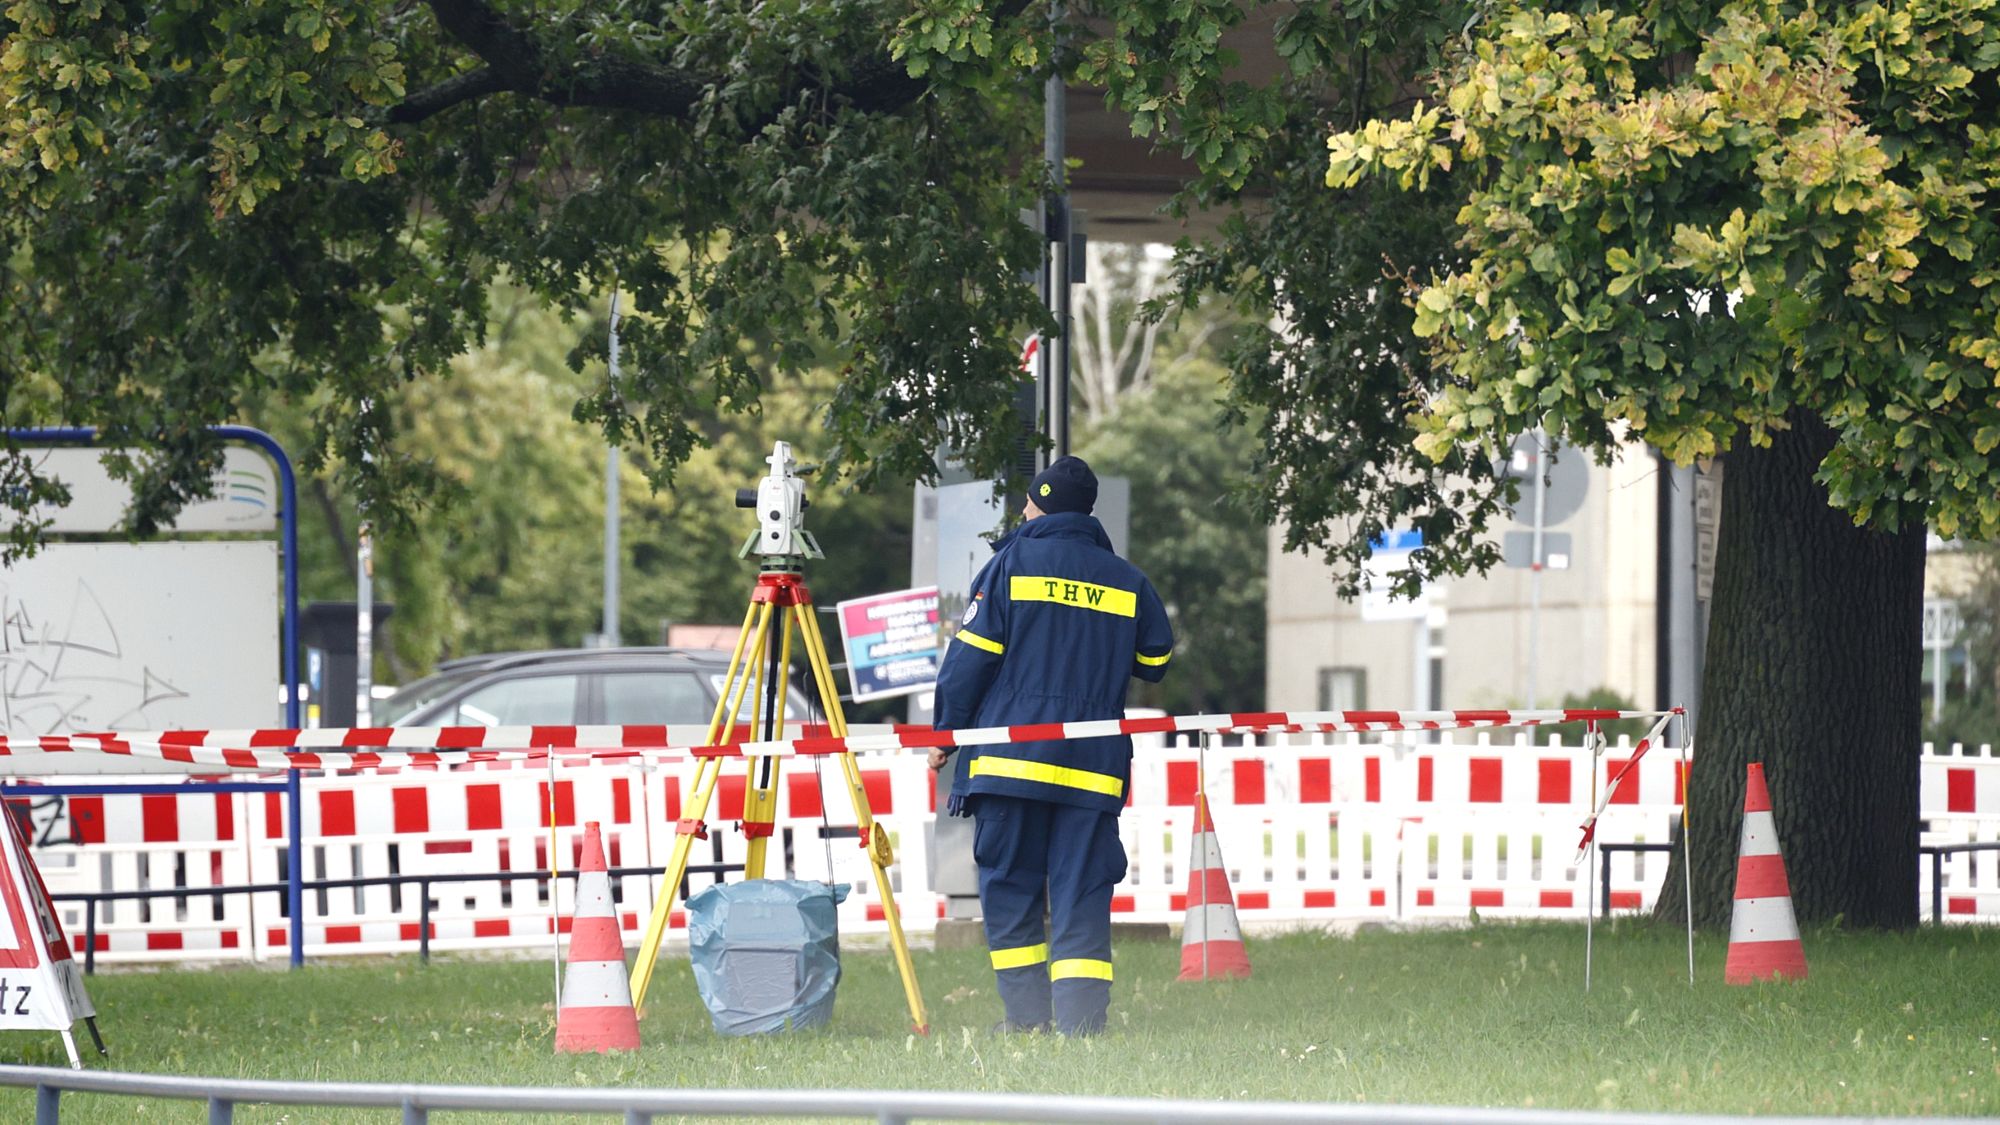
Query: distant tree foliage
<point x="1191" y="532"/>
<point x="201" y="203"/>
<point x="511" y="556"/>
<point x="206" y="204"/>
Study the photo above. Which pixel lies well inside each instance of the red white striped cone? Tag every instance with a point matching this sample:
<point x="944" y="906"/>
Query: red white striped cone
<point x="1763" y="934"/>
<point x="1211" y="941"/>
<point x="596" y="1012"/>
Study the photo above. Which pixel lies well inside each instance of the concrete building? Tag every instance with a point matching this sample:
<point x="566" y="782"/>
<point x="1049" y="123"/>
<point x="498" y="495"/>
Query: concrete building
<point x="1476" y="644"/>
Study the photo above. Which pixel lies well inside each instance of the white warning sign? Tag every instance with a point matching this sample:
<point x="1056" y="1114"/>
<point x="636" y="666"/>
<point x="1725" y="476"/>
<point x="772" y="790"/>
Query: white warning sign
<point x="41" y="987"/>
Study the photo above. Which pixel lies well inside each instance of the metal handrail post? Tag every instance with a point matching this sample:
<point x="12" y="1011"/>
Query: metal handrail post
<point x="424" y="922"/>
<point x="48" y="1105"/>
<point x="221" y="1111"/>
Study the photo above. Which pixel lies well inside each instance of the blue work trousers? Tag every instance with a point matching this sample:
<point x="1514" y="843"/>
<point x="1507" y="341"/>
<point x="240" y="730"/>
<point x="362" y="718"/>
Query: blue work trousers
<point x="1035" y="856"/>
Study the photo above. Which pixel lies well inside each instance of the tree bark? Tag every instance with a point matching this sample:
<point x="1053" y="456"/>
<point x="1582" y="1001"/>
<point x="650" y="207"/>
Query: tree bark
<point x="1814" y="669"/>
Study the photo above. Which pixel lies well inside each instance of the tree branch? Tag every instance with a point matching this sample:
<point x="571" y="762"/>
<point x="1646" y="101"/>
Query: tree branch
<point x="876" y="83"/>
<point x="470" y="86"/>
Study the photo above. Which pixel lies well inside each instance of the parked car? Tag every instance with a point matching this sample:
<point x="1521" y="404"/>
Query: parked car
<point x="574" y="687"/>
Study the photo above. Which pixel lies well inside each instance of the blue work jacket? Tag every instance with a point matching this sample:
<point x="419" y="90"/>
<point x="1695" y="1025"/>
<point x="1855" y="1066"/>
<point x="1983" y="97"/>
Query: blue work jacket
<point x="1056" y="627"/>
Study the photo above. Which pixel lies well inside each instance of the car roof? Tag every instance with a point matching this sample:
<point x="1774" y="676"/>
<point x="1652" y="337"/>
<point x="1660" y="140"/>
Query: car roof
<point x="497" y="661"/>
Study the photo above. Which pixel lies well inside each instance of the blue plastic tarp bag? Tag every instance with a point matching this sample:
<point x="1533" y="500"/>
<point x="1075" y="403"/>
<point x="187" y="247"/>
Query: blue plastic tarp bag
<point x="766" y="953"/>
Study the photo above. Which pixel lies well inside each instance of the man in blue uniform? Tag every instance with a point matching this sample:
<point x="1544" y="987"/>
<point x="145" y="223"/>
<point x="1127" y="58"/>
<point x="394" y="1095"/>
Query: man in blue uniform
<point x="1056" y="627"/>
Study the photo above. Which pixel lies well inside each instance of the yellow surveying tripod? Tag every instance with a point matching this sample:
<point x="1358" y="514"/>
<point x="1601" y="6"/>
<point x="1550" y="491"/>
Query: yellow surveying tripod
<point x="779" y="604"/>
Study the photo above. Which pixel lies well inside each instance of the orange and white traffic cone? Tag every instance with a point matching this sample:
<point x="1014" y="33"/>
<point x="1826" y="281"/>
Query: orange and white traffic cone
<point x="596" y="1012"/>
<point x="1763" y="933"/>
<point x="1211" y="940"/>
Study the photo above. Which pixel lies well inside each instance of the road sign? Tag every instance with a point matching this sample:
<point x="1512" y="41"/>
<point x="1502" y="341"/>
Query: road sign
<point x="1389" y="553"/>
<point x="1517" y="550"/>
<point x="1565" y="483"/>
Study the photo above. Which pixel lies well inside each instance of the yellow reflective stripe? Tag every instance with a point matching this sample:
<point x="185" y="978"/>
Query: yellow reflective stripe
<point x="977" y="641"/>
<point x="1080" y="967"/>
<point x="1021" y="957"/>
<point x="1020" y="769"/>
<point x="1154" y="661"/>
<point x="1082" y="595"/>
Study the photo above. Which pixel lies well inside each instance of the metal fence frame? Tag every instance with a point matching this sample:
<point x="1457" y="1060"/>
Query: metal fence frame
<point x="890" y="1107"/>
<point x="90" y="899"/>
<point x="1937" y="852"/>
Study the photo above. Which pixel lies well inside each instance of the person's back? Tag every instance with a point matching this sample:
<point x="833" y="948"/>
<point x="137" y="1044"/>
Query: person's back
<point x="1056" y="627"/>
<point x="1072" y="623"/>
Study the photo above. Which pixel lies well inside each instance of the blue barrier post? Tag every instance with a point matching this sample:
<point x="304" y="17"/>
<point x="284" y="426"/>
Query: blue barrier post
<point x="295" y="881"/>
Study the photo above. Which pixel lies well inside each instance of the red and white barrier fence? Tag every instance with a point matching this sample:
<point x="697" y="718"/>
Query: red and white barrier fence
<point x="427" y="747"/>
<point x="1317" y="826"/>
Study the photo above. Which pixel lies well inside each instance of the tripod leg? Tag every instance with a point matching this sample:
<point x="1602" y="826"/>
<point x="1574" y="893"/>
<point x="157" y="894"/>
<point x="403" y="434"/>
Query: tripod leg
<point x="670" y="889"/>
<point x="874" y="839"/>
<point x="707" y="770"/>
<point x="760" y="800"/>
<point x="90" y="1022"/>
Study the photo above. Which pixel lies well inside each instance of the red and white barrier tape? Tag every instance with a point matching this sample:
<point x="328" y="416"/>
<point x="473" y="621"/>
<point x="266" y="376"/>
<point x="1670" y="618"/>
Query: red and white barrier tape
<point x="403" y="747"/>
<point x="1651" y="740"/>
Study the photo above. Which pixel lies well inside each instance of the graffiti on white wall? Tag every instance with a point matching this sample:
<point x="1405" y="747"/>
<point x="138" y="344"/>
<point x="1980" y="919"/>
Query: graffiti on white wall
<point x="66" y="669"/>
<point x="120" y="636"/>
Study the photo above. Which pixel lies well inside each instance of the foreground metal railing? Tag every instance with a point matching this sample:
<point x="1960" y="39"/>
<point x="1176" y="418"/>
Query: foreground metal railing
<point x="890" y="1107"/>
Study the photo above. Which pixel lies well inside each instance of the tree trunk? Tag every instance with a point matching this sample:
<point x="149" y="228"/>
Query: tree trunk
<point x="1814" y="669"/>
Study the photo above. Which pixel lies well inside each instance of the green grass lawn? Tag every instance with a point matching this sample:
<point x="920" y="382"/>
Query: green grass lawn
<point x="1494" y="1015"/>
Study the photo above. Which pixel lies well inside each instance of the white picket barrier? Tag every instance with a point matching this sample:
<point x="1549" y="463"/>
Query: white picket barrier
<point x="1314" y="828"/>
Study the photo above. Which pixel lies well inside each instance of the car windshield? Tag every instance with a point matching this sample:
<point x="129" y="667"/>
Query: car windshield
<point x="413" y="697"/>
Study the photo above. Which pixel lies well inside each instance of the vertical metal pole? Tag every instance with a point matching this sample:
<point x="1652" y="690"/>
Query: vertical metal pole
<point x="1591" y="743"/>
<point x="295" y="891"/>
<point x="414" y="1114"/>
<point x="424" y="922"/>
<point x="612" y="508"/>
<point x="1937" y="672"/>
<point x="1687" y="842"/>
<point x="1055" y="137"/>
<point x="364" y="623"/>
<point x="364" y="600"/>
<point x="294" y="706"/>
<point x="221" y="1111"/>
<point x="1420" y="664"/>
<point x="288" y="524"/>
<point x="48" y="1105"/>
<point x="1535" y="571"/>
<point x="90" y="936"/>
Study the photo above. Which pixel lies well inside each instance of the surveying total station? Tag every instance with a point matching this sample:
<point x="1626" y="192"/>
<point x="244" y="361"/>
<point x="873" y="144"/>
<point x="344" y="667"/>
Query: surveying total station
<point x="780" y="608"/>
